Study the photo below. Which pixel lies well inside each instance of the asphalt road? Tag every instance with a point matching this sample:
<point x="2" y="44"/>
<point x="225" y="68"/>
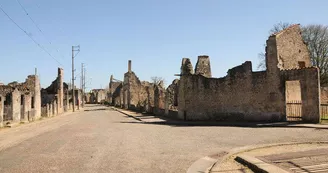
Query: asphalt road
<point x="103" y="140"/>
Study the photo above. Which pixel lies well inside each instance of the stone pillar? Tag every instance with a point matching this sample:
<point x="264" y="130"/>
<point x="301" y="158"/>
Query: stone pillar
<point x="37" y="98"/>
<point x="203" y="66"/>
<point x="51" y="109"/>
<point x="48" y="109"/>
<point x="310" y="94"/>
<point x="16" y="105"/>
<point x="60" y="90"/>
<point x="26" y="107"/>
<point x="55" y="108"/>
<point x="2" y="99"/>
<point x="129" y="66"/>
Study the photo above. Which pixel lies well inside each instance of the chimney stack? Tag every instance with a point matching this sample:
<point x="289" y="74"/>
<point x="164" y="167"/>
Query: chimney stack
<point x="129" y="66"/>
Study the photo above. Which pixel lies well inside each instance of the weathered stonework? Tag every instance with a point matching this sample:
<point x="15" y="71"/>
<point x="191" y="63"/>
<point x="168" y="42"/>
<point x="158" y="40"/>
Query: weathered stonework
<point x="172" y="93"/>
<point x="2" y="99"/>
<point x="242" y="95"/>
<point x="254" y="96"/>
<point x="203" y="66"/>
<point x="16" y="105"/>
<point x="26" y="107"/>
<point x="136" y="94"/>
<point x="100" y="95"/>
<point x="60" y="91"/>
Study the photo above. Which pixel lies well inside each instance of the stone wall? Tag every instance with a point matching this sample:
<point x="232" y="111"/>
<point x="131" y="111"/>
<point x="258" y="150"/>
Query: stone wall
<point x="159" y="100"/>
<point x="171" y="95"/>
<point x="16" y="105"/>
<point x="1" y="110"/>
<point x="253" y="96"/>
<point x="203" y="66"/>
<point x="137" y="95"/>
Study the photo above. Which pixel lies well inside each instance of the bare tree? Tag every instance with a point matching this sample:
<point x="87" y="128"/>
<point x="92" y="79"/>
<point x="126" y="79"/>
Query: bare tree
<point x="158" y="80"/>
<point x="316" y="38"/>
<point x="279" y="27"/>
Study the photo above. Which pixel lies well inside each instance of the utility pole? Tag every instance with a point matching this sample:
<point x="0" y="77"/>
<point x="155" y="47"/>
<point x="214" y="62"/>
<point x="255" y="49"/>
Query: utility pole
<point x="74" y="49"/>
<point x="82" y="83"/>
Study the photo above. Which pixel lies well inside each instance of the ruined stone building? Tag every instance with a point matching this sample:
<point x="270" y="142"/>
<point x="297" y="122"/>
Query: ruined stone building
<point x="20" y="102"/>
<point x="115" y="87"/>
<point x="254" y="96"/>
<point x="242" y="95"/>
<point x="56" y="93"/>
<point x="25" y="102"/>
<point x="97" y="96"/>
<point x="136" y="94"/>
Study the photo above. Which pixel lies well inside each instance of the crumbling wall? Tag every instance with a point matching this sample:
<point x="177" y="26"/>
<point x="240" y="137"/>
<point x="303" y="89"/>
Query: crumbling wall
<point x="137" y="95"/>
<point x="310" y="91"/>
<point x="172" y="93"/>
<point x="26" y="107"/>
<point x="203" y="66"/>
<point x="33" y="84"/>
<point x="16" y="105"/>
<point x="241" y="95"/>
<point x="254" y="96"/>
<point x="1" y="110"/>
<point x="159" y="100"/>
<point x="115" y="93"/>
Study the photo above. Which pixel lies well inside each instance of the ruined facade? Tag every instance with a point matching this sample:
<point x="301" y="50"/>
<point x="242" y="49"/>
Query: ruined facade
<point x="242" y="95"/>
<point x="97" y="96"/>
<point x="115" y="87"/>
<point x="20" y="102"/>
<point x="253" y="96"/>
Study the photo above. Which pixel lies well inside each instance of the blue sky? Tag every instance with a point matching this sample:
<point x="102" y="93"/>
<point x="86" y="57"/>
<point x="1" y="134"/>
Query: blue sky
<point x="154" y="34"/>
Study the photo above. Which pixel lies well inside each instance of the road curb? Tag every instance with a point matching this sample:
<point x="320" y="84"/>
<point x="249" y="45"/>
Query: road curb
<point x="201" y="165"/>
<point x="120" y="111"/>
<point x="258" y="165"/>
<point x="240" y="150"/>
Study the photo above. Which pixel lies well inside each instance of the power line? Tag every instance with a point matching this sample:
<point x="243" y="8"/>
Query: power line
<point x="40" y="46"/>
<point x="37" y="26"/>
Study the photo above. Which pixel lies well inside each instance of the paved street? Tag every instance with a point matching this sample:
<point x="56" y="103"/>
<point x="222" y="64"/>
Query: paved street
<point x="102" y="140"/>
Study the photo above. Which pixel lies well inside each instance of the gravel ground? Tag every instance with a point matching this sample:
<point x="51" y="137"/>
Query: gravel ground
<point x="102" y="140"/>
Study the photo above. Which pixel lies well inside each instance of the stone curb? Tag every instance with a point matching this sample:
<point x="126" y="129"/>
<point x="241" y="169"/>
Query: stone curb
<point x="120" y="111"/>
<point x="201" y="165"/>
<point x="258" y="165"/>
<point x="254" y="147"/>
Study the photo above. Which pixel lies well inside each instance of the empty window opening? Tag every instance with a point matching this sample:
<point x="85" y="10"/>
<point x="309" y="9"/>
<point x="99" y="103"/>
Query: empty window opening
<point x="22" y="100"/>
<point x="32" y="102"/>
<point x="301" y="64"/>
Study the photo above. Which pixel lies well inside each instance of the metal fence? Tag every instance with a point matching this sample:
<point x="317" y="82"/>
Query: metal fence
<point x="294" y="110"/>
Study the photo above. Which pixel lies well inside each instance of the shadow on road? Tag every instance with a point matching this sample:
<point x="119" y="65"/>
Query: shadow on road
<point x="100" y="109"/>
<point x="175" y="123"/>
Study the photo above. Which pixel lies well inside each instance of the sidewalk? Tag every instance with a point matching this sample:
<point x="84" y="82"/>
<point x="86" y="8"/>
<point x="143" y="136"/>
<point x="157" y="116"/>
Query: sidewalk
<point x="150" y="118"/>
<point x="277" y="158"/>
